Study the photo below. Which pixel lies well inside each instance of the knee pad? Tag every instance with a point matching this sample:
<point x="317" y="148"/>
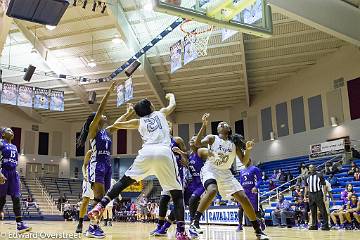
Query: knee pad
<point x="209" y="182"/>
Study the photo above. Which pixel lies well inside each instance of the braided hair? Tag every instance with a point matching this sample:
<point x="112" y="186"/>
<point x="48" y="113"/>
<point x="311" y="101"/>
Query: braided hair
<point x="80" y="141"/>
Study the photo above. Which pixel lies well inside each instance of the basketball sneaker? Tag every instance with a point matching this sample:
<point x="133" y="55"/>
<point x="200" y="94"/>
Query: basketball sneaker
<point x="21" y="227"/>
<point x="96" y="212"/>
<point x="109" y="224"/>
<point x="158" y="227"/>
<point x="196" y="227"/>
<point x="79" y="228"/>
<point x="163" y="230"/>
<point x="239" y="228"/>
<point x="182" y="236"/>
<point x="262" y="236"/>
<point x="94" y="231"/>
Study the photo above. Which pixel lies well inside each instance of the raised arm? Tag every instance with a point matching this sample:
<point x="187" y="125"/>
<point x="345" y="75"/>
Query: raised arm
<point x="172" y="104"/>
<point x="203" y="153"/>
<point x="209" y="139"/>
<point x="129" y="112"/>
<point x="85" y="164"/>
<point x="94" y="124"/>
<point x="131" y="124"/>
<point x="181" y="150"/>
<point x="245" y="156"/>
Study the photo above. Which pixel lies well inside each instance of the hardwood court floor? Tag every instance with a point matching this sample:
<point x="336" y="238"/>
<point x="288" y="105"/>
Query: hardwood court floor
<point x="140" y="231"/>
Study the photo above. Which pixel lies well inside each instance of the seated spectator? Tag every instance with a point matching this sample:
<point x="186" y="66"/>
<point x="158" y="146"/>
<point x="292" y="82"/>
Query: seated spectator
<point x="357" y="174"/>
<point x="272" y="185"/>
<point x="298" y="192"/>
<point x="62" y="199"/>
<point x="336" y="168"/>
<point x="352" y="169"/>
<point x="30" y="202"/>
<point x="264" y="177"/>
<point x="273" y="177"/>
<point x="355" y="153"/>
<point x="353" y="210"/>
<point x="339" y="213"/>
<point x="279" y="173"/>
<point x="67" y="211"/>
<point x="283" y="211"/>
<point x="333" y="180"/>
<point x="289" y="176"/>
<point x="300" y="213"/>
<point x="348" y="189"/>
<point x="282" y="176"/>
<point x="328" y="168"/>
<point x="303" y="170"/>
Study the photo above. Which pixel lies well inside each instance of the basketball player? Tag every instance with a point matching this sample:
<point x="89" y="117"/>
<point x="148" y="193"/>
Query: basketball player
<point x="176" y="143"/>
<point x="99" y="169"/>
<point x="87" y="194"/>
<point x="9" y="177"/>
<point x="193" y="190"/>
<point x="250" y="180"/>
<point x="108" y="213"/>
<point x="216" y="175"/>
<point x="155" y="158"/>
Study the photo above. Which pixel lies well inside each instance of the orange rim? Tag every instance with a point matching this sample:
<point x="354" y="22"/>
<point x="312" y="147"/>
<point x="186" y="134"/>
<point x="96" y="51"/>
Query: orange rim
<point x="195" y="32"/>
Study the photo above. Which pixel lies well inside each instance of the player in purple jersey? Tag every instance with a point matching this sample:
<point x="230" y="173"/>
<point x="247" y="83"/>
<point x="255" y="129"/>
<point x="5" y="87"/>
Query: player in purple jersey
<point x="353" y="211"/>
<point x="9" y="177"/>
<point x="250" y="180"/>
<point x="161" y="227"/>
<point x="192" y="190"/>
<point x="99" y="167"/>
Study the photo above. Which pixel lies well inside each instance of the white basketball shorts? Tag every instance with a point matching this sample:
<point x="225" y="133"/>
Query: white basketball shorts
<point x="87" y="191"/>
<point x="156" y="160"/>
<point x="226" y="182"/>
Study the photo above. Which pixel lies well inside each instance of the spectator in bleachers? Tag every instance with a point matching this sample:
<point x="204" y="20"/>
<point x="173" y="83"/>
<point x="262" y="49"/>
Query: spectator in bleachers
<point x="272" y="185"/>
<point x="283" y="211"/>
<point x="333" y="180"/>
<point x="357" y="174"/>
<point x="289" y="176"/>
<point x="282" y="176"/>
<point x="67" y="211"/>
<point x="353" y="210"/>
<point x="300" y="212"/>
<point x="355" y="153"/>
<point x="348" y="189"/>
<point x="352" y="169"/>
<point x="273" y="177"/>
<point x="30" y="202"/>
<point x="298" y="192"/>
<point x="328" y="168"/>
<point x="303" y="170"/>
<point x="336" y="168"/>
<point x="263" y="176"/>
<point x="62" y="200"/>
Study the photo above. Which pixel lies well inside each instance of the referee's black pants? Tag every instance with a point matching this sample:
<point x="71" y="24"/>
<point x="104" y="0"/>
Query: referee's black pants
<point x="316" y="200"/>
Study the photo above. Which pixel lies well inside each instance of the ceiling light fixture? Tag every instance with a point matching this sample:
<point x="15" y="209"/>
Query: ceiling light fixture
<point x="50" y="27"/>
<point x="116" y="39"/>
<point x="148" y="7"/>
<point x="92" y="62"/>
<point x="84" y="4"/>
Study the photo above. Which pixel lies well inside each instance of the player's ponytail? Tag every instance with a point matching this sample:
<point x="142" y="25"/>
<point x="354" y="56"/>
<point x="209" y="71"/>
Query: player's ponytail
<point x="80" y="141"/>
<point x="239" y="141"/>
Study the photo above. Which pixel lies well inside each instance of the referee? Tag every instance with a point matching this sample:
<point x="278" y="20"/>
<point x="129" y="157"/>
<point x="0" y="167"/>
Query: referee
<point x="315" y="186"/>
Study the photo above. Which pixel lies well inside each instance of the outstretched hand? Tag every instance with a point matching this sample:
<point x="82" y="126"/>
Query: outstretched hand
<point x="130" y="108"/>
<point x="250" y="145"/>
<point x="205" y="118"/>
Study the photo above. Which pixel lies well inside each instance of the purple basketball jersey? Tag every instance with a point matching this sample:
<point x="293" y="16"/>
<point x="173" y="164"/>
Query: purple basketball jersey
<point x="101" y="146"/>
<point x="8" y="155"/>
<point x="250" y="177"/>
<point x="8" y="163"/>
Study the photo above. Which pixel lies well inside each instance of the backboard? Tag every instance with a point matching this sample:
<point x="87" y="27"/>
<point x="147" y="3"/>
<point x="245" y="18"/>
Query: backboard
<point x="248" y="16"/>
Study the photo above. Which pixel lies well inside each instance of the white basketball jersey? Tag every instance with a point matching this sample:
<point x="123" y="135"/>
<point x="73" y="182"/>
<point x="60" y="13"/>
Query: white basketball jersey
<point x="154" y="129"/>
<point x="222" y="153"/>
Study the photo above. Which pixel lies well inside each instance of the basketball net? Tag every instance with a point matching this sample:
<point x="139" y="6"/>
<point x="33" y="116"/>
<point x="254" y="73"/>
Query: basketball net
<point x="198" y="34"/>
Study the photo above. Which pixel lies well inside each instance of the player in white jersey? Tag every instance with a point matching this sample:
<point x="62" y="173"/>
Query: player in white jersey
<point x="108" y="213"/>
<point x="87" y="193"/>
<point x="155" y="158"/>
<point x="216" y="175"/>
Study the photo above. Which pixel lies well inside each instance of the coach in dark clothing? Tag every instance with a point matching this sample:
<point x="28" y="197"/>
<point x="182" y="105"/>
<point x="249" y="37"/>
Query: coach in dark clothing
<point x="315" y="187"/>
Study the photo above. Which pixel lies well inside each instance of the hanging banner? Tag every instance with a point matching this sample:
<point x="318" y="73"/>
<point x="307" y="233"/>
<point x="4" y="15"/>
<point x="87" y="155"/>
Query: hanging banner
<point x="25" y="96"/>
<point x="41" y="98"/>
<point x="56" y="101"/>
<point x="120" y="95"/>
<point x="129" y="90"/>
<point x="9" y="93"/>
<point x="175" y="56"/>
<point x="227" y="33"/>
<point x="189" y="51"/>
<point x="326" y="149"/>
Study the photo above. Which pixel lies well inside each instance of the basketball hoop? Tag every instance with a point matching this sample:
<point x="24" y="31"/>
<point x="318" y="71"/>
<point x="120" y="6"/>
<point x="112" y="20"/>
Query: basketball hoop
<point x="198" y="34"/>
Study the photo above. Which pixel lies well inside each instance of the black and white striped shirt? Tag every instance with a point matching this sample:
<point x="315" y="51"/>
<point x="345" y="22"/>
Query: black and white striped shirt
<point x="315" y="182"/>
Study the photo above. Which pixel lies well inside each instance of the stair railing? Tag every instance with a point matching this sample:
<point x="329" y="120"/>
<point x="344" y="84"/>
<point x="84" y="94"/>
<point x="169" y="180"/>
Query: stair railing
<point x="45" y="194"/>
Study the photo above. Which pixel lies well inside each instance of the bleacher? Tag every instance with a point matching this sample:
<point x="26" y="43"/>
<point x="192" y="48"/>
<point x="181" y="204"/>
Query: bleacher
<point x="56" y="187"/>
<point x="292" y="165"/>
<point x="30" y="213"/>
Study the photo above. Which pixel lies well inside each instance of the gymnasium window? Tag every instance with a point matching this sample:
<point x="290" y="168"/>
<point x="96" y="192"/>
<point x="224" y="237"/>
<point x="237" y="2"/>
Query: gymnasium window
<point x="354" y="99"/>
<point x="121" y="141"/>
<point x="239" y="127"/>
<point x="17" y="137"/>
<point x="214" y="126"/>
